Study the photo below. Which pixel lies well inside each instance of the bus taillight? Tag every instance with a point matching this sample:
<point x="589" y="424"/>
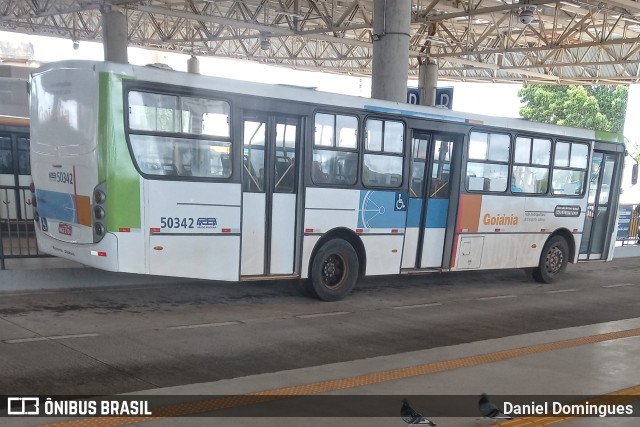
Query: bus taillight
<point x="99" y="212"/>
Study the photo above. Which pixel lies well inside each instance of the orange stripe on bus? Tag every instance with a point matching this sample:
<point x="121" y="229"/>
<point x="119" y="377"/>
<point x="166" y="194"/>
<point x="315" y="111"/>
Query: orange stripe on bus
<point x="83" y="206"/>
<point x="469" y="218"/>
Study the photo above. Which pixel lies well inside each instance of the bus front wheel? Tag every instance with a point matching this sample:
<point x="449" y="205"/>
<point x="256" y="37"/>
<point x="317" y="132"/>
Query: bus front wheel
<point x="553" y="260"/>
<point x="334" y="271"/>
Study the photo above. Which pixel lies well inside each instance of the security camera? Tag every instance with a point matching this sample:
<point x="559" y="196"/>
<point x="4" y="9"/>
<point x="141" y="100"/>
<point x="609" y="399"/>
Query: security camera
<point x="76" y="44"/>
<point x="526" y="16"/>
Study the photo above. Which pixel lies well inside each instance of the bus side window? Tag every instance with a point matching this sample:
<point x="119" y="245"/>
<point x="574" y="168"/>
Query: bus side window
<point x="6" y="158"/>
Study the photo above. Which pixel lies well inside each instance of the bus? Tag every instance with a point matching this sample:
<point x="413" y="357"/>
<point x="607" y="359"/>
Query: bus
<point x="15" y="170"/>
<point x="159" y="172"/>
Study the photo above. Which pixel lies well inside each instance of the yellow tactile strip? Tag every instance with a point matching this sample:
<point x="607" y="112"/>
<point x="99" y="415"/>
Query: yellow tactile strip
<point x="620" y="397"/>
<point x="215" y="404"/>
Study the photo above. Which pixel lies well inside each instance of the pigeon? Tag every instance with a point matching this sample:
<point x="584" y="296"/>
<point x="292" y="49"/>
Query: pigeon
<point x="489" y="410"/>
<point x="412" y="417"/>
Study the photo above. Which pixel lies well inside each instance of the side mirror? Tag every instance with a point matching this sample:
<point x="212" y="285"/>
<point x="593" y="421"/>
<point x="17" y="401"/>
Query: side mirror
<point x="634" y="174"/>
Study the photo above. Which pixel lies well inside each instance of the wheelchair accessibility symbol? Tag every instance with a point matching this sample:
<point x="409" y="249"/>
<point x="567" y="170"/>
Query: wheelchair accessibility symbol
<point x="382" y="209"/>
<point x="401" y="204"/>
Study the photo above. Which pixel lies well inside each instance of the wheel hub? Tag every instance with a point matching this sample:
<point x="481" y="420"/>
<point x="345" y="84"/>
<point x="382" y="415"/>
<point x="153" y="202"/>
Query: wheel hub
<point x="555" y="259"/>
<point x="332" y="271"/>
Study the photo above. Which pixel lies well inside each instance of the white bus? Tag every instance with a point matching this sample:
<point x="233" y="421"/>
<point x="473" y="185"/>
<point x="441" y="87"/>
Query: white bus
<point x="151" y="171"/>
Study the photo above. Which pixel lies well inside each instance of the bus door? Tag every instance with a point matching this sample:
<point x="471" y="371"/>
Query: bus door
<point x="428" y="200"/>
<point x="15" y="203"/>
<point x="269" y="201"/>
<point x="600" y="207"/>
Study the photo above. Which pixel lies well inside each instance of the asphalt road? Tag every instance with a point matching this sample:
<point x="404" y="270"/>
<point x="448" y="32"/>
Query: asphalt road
<point x="107" y="341"/>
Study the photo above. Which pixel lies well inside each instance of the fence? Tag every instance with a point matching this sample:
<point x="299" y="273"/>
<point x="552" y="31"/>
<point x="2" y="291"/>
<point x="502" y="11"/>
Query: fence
<point x="17" y="235"/>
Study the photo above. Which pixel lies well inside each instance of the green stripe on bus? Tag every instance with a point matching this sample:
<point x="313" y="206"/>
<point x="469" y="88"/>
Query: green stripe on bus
<point x="609" y="136"/>
<point x="114" y="164"/>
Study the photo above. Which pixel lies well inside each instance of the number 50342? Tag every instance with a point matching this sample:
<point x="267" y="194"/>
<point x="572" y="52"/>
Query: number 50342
<point x="176" y="222"/>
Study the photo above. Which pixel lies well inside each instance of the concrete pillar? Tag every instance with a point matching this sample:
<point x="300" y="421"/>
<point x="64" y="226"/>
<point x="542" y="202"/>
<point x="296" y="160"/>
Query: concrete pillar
<point x="193" y="65"/>
<point x="114" y="35"/>
<point x="427" y="82"/>
<point x="391" y="21"/>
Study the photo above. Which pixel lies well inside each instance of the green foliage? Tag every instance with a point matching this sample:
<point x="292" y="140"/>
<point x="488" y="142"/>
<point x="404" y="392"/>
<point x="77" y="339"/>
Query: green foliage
<point x="599" y="108"/>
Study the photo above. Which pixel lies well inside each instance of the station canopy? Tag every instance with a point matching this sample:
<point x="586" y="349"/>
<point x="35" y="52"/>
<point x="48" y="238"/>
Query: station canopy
<point x="545" y="41"/>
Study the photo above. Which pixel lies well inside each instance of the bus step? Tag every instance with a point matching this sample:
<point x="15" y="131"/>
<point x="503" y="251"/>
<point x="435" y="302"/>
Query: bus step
<point x="269" y="277"/>
<point x="421" y="270"/>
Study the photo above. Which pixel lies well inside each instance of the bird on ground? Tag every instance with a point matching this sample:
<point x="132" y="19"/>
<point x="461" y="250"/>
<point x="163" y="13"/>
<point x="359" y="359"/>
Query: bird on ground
<point x="413" y="417"/>
<point x="489" y="410"/>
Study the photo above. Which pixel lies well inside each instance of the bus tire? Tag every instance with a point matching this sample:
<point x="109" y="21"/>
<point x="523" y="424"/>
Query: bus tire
<point x="553" y="260"/>
<point x="334" y="271"/>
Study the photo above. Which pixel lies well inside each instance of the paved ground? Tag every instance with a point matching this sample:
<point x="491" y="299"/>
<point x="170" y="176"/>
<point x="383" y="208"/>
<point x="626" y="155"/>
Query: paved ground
<point x="116" y="340"/>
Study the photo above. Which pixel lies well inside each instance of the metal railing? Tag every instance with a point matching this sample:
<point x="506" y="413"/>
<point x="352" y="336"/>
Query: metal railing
<point x="17" y="234"/>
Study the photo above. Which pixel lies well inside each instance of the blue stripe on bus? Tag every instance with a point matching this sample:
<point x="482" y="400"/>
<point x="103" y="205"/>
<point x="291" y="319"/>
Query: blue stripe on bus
<point x="57" y="206"/>
<point x="413" y="113"/>
<point x="437" y="213"/>
<point x="382" y="209"/>
<point x="414" y="212"/>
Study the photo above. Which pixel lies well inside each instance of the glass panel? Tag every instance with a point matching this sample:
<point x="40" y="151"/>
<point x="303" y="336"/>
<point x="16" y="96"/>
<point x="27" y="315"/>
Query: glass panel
<point x="541" y="153"/>
<point x="487" y="177"/>
<point x="440" y="172"/>
<point x="596" y="163"/>
<point x="527" y="179"/>
<point x="6" y="155"/>
<point x="23" y="143"/>
<point x="24" y="157"/>
<point x="499" y="147"/>
<point x="418" y="161"/>
<point x="394" y="137"/>
<point x="347" y="131"/>
<point x="253" y="156"/>
<point x="334" y="167"/>
<point x="374" y="135"/>
<point x="324" y="130"/>
<point x="382" y="171"/>
<point x="208" y="117"/>
<point x="478" y="146"/>
<point x="159" y="155"/>
<point x="561" y="158"/>
<point x="153" y="112"/>
<point x="523" y="150"/>
<point x="607" y="178"/>
<point x="568" y="182"/>
<point x="285" y="169"/>
<point x="579" y="156"/>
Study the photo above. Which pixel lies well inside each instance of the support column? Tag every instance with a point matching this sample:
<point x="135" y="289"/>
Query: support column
<point x="427" y="82"/>
<point x="391" y="21"/>
<point x="193" y="65"/>
<point x="114" y="35"/>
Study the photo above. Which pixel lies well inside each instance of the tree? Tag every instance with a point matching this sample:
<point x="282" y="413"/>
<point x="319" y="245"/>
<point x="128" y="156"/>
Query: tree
<point x="599" y="108"/>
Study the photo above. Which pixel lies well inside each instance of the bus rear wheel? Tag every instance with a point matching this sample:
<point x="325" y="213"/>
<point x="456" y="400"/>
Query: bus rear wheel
<point x="334" y="271"/>
<point x="553" y="260"/>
